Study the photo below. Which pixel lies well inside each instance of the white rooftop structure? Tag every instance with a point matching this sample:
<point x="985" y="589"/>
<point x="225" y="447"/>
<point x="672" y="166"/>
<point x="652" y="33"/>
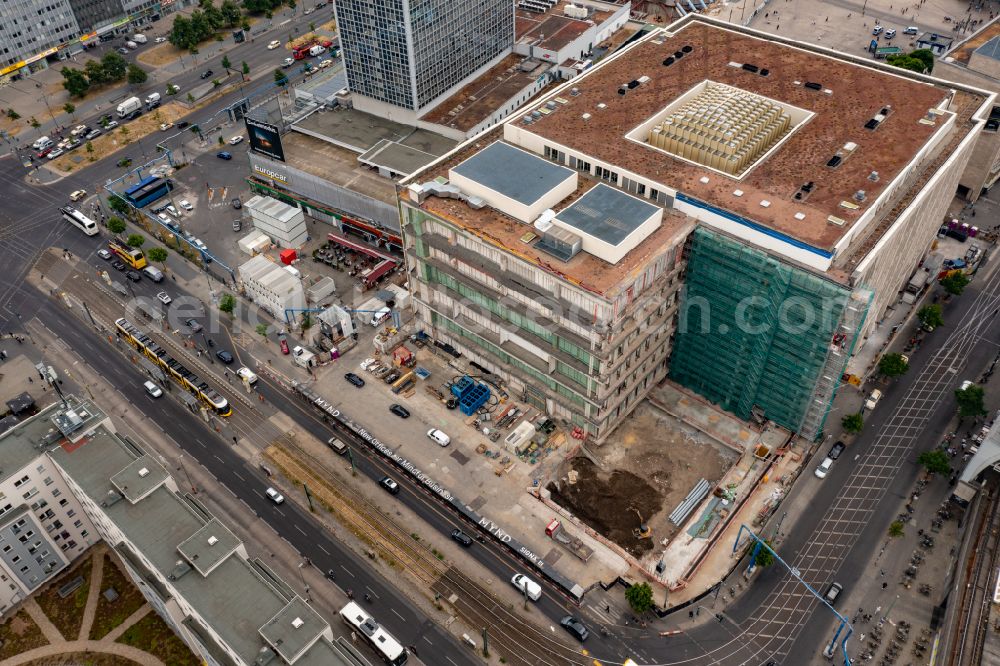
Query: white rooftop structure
<point x="284" y="224"/>
<point x="271" y="287"/>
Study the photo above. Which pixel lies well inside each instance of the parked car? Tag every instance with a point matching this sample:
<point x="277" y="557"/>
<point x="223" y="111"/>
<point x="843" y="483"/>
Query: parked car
<point x="223" y="155"/>
<point x="185" y="204"/>
<point x="237" y="225"/>
<point x="93" y="134"/>
<point x="273" y="45"/>
<point x="461" y="537"/>
<point x="575" y="626"/>
<point x="877" y="30"/>
<point x="890" y="33"/>
<point x="165" y="126"/>
<point x="77" y="195"/>
<point x="247" y="375"/>
<point x="183" y="124"/>
<point x="133" y="276"/>
<point x="354" y="379"/>
<point x="122" y="50"/>
<point x="164" y="298"/>
<point x="160" y="40"/>
<point x="55" y="153"/>
<point x="224" y="356"/>
<point x="274" y="496"/>
<point x="527" y="586"/>
<point x="111" y="124"/>
<point x="836" y="450"/>
<point x="438" y="437"/>
<point x="104" y="254"/>
<point x="400" y="411"/>
<point x="833" y="592"/>
<point x="207" y="73"/>
<point x="193" y="325"/>
<point x="389" y="484"/>
<point x="118" y="265"/>
<point x="824" y="468"/>
<point x="284" y="346"/>
<point x="323" y="64"/>
<point x="234" y="140"/>
<point x="873" y="399"/>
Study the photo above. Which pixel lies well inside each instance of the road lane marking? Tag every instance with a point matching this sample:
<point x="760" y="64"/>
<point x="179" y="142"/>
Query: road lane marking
<point x="300" y="530"/>
<point x="323" y="549"/>
<point x="347" y="570"/>
<point x="402" y="618"/>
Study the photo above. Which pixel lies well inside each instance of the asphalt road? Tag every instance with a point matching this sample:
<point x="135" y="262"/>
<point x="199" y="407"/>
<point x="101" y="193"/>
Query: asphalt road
<point x="306" y="535"/>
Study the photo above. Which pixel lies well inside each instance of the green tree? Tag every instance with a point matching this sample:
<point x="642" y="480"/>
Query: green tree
<point x="215" y="18"/>
<point x="765" y="557"/>
<point x="226" y="64"/>
<point x="190" y="98"/>
<point x="89" y="147"/>
<point x="135" y="240"/>
<point x="119" y="205"/>
<point x="70" y="110"/>
<point x="245" y="25"/>
<point x="246" y="68"/>
<point x="124" y="131"/>
<point x="227" y="303"/>
<point x="158" y="254"/>
<point x="906" y="61"/>
<point x="95" y="72"/>
<point x="262" y="330"/>
<point x="116" y="225"/>
<point x="280" y="78"/>
<point x="896" y="529"/>
<point x="291" y="5"/>
<point x="926" y="56"/>
<point x="136" y="75"/>
<point x="312" y="27"/>
<point x="935" y="461"/>
<point x="114" y="65"/>
<point x="12" y="114"/>
<point x="216" y="83"/>
<point x="74" y="81"/>
<point x="172" y="89"/>
<point x="182" y="33"/>
<point x="231" y="13"/>
<point x="930" y="316"/>
<point x="34" y="123"/>
<point x="853" y="423"/>
<point x="893" y="365"/>
<point x="639" y="597"/>
<point x="955" y="283"/>
<point x="970" y="401"/>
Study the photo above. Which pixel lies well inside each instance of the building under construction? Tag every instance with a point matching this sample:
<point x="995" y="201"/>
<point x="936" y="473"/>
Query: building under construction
<point x="729" y="207"/>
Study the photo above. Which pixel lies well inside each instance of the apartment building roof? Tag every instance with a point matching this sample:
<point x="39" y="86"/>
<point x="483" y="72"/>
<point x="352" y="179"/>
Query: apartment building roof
<point x="554" y="29"/>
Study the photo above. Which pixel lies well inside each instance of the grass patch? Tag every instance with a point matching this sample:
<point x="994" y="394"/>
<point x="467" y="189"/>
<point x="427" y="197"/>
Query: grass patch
<point x="67" y="614"/>
<point x="151" y="634"/>
<point x="110" y="614"/>
<point x="19" y="634"/>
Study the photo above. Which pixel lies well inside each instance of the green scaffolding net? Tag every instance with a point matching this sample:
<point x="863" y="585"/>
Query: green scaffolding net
<point x="754" y="332"/>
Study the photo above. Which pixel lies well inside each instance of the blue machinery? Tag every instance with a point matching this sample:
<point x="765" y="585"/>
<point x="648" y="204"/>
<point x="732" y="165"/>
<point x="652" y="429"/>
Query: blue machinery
<point x="844" y="623"/>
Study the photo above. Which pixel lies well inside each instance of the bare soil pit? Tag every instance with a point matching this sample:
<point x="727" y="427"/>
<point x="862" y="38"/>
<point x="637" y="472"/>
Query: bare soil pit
<point x="609" y="502"/>
<point x="649" y="464"/>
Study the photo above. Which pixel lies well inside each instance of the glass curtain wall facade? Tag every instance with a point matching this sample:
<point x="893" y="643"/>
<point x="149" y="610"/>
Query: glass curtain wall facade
<point x="409" y="52"/>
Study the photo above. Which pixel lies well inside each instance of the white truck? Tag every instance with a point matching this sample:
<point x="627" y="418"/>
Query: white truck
<point x="153" y="100"/>
<point x="139" y="38"/>
<point x="131" y="105"/>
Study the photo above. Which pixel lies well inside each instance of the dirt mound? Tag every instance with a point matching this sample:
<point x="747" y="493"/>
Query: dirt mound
<point x="608" y="502"/>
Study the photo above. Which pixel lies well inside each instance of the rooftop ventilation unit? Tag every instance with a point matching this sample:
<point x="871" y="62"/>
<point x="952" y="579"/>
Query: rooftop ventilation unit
<point x="550" y="105"/>
<point x="687" y="48"/>
<point x="212" y="540"/>
<point x="678" y="54"/>
<point x="812" y="85"/>
<point x="574" y="11"/>
<point x="873" y="176"/>
<point x="860" y="196"/>
<point x="527" y="120"/>
<point x="297" y="623"/>
<point x="560" y="243"/>
<point x="751" y="68"/>
<point x="634" y="83"/>
<point x="764" y="72"/>
<point x="574" y="91"/>
<point x="623" y="89"/>
<point x="667" y="62"/>
<point x="544" y="221"/>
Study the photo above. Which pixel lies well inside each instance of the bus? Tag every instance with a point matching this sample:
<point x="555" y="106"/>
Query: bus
<point x="181" y="375"/>
<point x="147" y="190"/>
<point x="378" y="638"/>
<point x="130" y="255"/>
<point x="79" y="220"/>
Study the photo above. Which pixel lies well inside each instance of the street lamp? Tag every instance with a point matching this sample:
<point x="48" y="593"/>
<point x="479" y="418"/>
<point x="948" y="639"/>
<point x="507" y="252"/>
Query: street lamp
<point x="303" y="579"/>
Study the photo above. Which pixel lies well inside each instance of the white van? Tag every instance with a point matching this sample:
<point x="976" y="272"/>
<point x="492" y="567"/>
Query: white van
<point x="438" y="437"/>
<point x="911" y="30"/>
<point x="379" y="316"/>
<point x="526" y="586"/>
<point x="42" y="143"/>
<point x="153" y="273"/>
<point x="317" y="50"/>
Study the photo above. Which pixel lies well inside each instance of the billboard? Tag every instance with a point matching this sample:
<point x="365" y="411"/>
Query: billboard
<point x="264" y="138"/>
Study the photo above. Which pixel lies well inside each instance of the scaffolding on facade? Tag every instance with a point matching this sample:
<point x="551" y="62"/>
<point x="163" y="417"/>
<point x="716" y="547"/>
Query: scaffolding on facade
<point x="755" y="333"/>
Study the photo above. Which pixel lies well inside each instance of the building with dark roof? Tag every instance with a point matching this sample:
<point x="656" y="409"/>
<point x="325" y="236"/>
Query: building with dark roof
<point x="793" y="188"/>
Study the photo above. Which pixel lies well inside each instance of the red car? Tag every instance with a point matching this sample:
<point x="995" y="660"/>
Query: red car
<point x="284" y="346"/>
<point x="44" y="153"/>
